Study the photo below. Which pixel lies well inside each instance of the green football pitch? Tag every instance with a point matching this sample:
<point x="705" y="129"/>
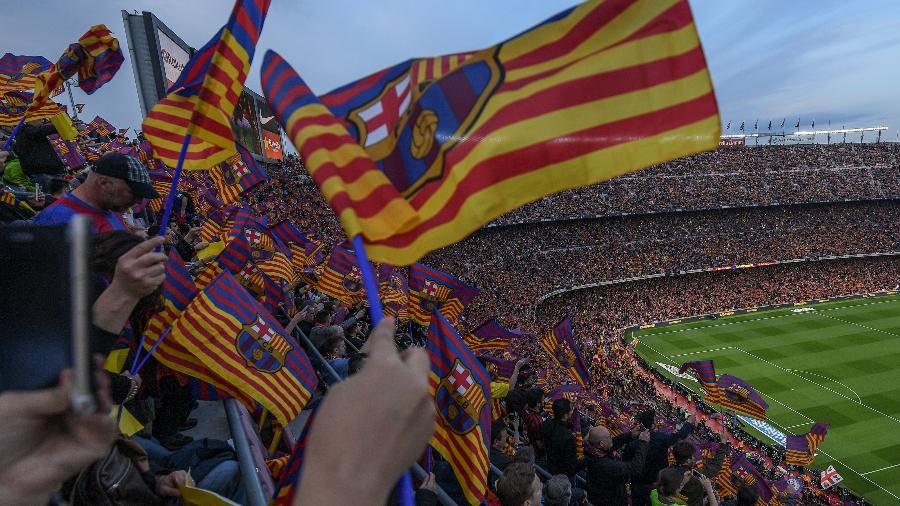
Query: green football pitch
<point x="837" y="362"/>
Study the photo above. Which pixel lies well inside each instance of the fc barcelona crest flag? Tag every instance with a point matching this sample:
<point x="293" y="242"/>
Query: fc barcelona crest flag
<point x="460" y="387"/>
<point x="341" y="278"/>
<point x="419" y="155"/>
<point x="728" y="391"/>
<point x="431" y="289"/>
<point x="561" y="346"/>
<point x="236" y="337"/>
<point x="236" y="175"/>
<point x="801" y="450"/>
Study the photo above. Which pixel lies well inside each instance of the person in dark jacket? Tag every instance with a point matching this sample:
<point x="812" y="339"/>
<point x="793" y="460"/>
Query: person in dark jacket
<point x="34" y="150"/>
<point x="559" y="442"/>
<point x="498" y="455"/>
<point x="607" y="473"/>
<point x="657" y="456"/>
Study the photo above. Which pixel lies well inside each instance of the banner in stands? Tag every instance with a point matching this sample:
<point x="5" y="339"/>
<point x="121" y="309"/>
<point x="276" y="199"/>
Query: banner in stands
<point x="271" y="133"/>
<point x="245" y="123"/>
<point x="174" y="58"/>
<point x="730" y="142"/>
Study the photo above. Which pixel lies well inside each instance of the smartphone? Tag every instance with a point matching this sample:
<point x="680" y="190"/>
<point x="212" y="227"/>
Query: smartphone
<point x="37" y="191"/>
<point x="46" y="325"/>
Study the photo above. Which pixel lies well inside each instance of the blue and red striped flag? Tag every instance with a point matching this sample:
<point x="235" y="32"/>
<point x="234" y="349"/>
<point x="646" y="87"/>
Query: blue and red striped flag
<point x="19" y="72"/>
<point x="230" y="333"/>
<point x="801" y="450"/>
<point x="201" y="102"/>
<point x="178" y="291"/>
<point x="341" y="277"/>
<point x="501" y="368"/>
<point x="431" y="289"/>
<point x="738" y="396"/>
<point x="490" y="335"/>
<point x="706" y="374"/>
<point x="237" y="174"/>
<point x="561" y="346"/>
<point x="728" y="391"/>
<point x="460" y="387"/>
<point x="465" y="138"/>
<point x="290" y="477"/>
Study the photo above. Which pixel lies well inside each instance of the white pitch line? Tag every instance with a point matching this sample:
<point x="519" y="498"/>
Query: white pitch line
<point x="821" y="385"/>
<point x="873" y="329"/>
<point x="858" y="398"/>
<point x="703" y="351"/>
<point x="882" y="469"/>
<point x="796" y="425"/>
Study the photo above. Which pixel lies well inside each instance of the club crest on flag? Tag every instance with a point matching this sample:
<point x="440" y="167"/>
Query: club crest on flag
<point x="565" y="356"/>
<point x="413" y="152"/>
<point x="433" y="295"/>
<point x="259" y="249"/>
<point x="737" y="393"/>
<point x="353" y="281"/>
<point x="233" y="170"/>
<point x="262" y="347"/>
<point x="459" y="399"/>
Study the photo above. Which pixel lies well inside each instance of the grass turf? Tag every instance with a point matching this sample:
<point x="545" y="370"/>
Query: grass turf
<point x="839" y="363"/>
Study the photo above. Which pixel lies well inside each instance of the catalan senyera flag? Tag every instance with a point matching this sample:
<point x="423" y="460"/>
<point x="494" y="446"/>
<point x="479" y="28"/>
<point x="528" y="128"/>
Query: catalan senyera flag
<point x="599" y="90"/>
<point x="460" y="387"/>
<point x="431" y="289"/>
<point x="490" y="335"/>
<point x="341" y="278"/>
<point x="19" y="72"/>
<point x="237" y="174"/>
<point x="201" y="102"/>
<point x="96" y="58"/>
<point x="801" y="450"/>
<point x="561" y="346"/>
<point x="232" y="334"/>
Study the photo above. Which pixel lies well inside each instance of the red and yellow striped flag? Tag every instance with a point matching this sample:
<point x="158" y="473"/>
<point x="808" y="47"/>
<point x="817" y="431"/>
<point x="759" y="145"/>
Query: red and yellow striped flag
<point x="202" y="101"/>
<point x="599" y="90"/>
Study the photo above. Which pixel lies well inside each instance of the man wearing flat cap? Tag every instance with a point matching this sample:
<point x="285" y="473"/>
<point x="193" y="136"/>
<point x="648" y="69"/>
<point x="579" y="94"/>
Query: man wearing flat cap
<point x="116" y="183"/>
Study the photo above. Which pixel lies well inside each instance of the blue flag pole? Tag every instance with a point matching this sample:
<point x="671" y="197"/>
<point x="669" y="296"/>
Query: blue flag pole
<point x="375" y="313"/>
<point x="170" y="200"/>
<point x="12" y="134"/>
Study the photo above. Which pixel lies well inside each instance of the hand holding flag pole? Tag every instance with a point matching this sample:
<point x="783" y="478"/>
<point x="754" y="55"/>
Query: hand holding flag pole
<point x="376" y="313"/>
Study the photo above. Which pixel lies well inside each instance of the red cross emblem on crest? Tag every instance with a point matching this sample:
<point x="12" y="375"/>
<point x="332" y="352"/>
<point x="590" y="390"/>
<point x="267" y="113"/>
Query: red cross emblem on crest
<point x="254" y="236"/>
<point x="263" y="330"/>
<point x="240" y="169"/>
<point x="461" y="379"/>
<point x="381" y="116"/>
<point x="431" y="288"/>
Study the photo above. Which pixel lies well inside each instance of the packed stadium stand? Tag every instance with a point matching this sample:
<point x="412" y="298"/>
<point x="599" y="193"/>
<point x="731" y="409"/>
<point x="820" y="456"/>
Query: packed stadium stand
<point x="720" y="231"/>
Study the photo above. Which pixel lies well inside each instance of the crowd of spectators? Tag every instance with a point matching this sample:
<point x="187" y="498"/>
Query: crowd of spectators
<point x="553" y="256"/>
<point x="513" y="266"/>
<point x="762" y="176"/>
